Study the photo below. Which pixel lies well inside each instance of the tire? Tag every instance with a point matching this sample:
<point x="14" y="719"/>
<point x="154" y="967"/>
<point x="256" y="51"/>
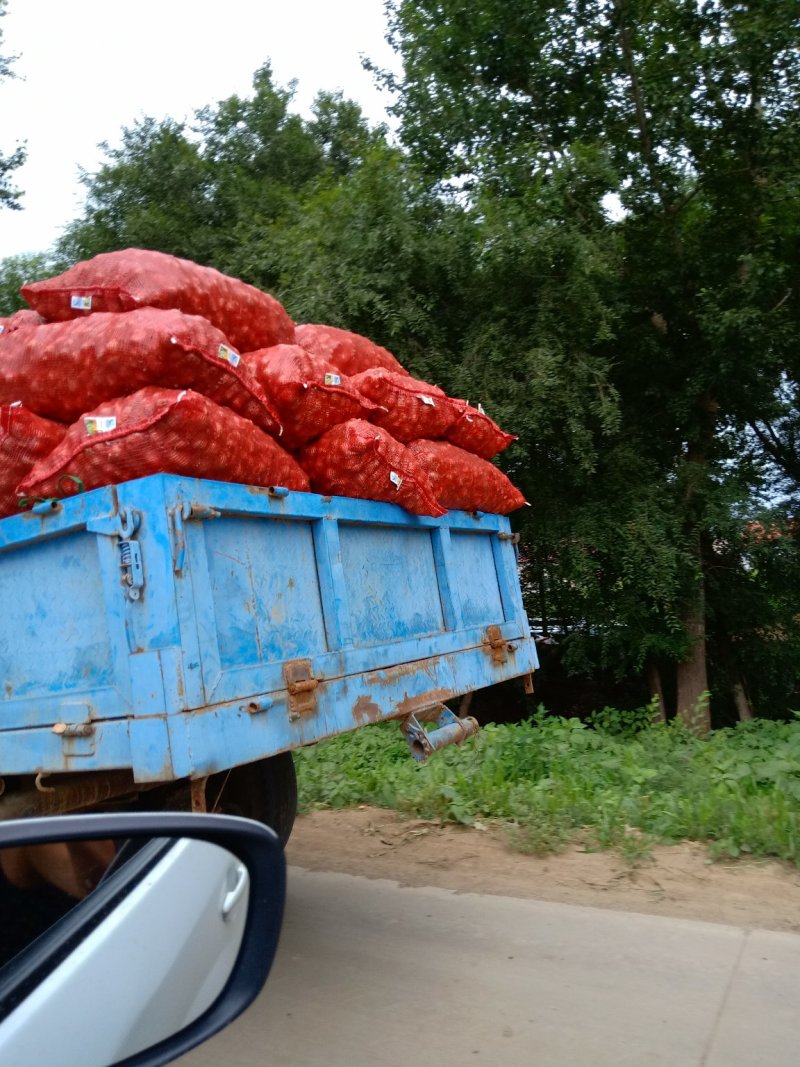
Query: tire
<point x="265" y="791"/>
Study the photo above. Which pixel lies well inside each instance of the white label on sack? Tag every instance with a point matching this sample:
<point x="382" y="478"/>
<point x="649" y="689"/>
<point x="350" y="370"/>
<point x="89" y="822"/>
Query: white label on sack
<point x="333" y="379"/>
<point x="100" y="424"/>
<point x="229" y="355"/>
<point x="80" y="303"/>
<point x="2" y="328"/>
<point x="395" y="479"/>
<point x="427" y="400"/>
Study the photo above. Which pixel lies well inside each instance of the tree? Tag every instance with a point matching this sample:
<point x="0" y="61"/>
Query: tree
<point x="9" y="196"/>
<point x="322" y="212"/>
<point x="691" y="106"/>
<point x="219" y="190"/>
<point x="16" y="271"/>
<point x="376" y="252"/>
<point x="152" y="192"/>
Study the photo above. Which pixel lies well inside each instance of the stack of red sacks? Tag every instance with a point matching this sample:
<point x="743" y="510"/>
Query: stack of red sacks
<point x="136" y="362"/>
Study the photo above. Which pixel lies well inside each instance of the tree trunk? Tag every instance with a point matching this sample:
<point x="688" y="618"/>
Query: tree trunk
<point x="744" y="709"/>
<point x="692" y="677"/>
<point x="656" y="688"/>
<point x="741" y="699"/>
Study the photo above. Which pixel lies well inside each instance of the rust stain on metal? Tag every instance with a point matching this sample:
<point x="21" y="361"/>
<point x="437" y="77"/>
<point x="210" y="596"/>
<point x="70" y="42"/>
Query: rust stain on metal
<point x="390" y="675"/>
<point x="366" y="711"/>
<point x="180" y="687"/>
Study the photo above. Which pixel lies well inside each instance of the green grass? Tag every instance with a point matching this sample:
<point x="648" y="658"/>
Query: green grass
<point x="619" y="781"/>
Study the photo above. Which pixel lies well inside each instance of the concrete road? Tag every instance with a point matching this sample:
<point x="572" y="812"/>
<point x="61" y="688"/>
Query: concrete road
<point x="369" y="973"/>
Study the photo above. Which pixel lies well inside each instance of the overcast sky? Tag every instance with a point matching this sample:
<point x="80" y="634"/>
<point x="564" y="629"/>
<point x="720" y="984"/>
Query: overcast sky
<point x="94" y="66"/>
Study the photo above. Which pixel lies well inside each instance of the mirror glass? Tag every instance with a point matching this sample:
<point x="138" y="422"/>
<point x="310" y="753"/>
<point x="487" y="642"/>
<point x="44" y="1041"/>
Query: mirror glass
<point x="109" y="947"/>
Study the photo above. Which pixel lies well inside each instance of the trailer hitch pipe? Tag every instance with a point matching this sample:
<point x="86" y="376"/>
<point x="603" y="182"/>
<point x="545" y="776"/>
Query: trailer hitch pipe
<point x="449" y="730"/>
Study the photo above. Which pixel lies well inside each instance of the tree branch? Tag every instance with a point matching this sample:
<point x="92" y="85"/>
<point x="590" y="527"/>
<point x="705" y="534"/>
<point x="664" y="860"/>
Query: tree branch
<point x="626" y="42"/>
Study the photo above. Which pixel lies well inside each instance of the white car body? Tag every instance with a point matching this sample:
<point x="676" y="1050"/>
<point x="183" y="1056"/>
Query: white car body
<point x="148" y="969"/>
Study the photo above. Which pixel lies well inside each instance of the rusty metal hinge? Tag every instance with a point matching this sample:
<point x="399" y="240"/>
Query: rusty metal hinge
<point x="302" y="685"/>
<point x="512" y="537"/>
<point x="495" y="643"/>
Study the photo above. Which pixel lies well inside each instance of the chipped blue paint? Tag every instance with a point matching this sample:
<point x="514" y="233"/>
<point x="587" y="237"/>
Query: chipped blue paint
<point x="388" y="610"/>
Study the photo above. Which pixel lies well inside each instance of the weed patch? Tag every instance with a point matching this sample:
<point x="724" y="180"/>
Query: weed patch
<point x="624" y="780"/>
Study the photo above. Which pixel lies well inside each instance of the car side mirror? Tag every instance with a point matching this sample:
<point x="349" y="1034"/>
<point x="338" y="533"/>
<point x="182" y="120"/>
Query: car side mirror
<point x="129" y="939"/>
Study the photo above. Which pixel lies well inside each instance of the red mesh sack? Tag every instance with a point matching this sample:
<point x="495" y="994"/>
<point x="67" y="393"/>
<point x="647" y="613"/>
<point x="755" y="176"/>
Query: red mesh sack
<point x="20" y="320"/>
<point x="362" y="460"/>
<point x="66" y="368"/>
<point x="463" y="481"/>
<point x="134" y="278"/>
<point x="348" y="352"/>
<point x="25" y="438"/>
<point x="474" y="431"/>
<point x="161" y="431"/>
<point x="414" y="409"/>
<point x="309" y="394"/>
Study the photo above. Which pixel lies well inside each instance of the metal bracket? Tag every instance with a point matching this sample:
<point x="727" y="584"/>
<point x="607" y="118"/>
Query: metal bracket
<point x="197" y="787"/>
<point x="496" y="644"/>
<point x="450" y="730"/>
<point x="302" y="685"/>
<point x="77" y="737"/>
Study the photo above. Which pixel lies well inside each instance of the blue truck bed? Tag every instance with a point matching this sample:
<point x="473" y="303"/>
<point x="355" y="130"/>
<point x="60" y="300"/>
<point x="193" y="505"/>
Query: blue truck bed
<point x="173" y="628"/>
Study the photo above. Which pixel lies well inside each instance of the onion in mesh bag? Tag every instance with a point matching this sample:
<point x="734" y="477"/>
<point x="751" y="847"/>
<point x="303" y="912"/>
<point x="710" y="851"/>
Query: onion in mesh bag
<point x="136" y="277"/>
<point x="361" y="460"/>
<point x="161" y="431"/>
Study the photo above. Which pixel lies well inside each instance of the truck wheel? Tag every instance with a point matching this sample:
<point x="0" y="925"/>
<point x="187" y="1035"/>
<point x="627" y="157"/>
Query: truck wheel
<point x="265" y="791"/>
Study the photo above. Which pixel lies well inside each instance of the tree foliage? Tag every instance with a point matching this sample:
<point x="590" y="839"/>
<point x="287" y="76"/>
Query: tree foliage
<point x="9" y="196"/>
<point x="16" y="271"/>
<point x="679" y="117"/>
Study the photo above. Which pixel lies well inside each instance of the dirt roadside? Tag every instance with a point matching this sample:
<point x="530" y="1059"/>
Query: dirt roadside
<point x="678" y="880"/>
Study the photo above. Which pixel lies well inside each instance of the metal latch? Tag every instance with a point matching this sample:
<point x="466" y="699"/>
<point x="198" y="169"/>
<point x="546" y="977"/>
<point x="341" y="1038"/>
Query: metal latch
<point x="196" y="511"/>
<point x="302" y="685"/>
<point x="495" y="643"/>
<point x="123" y="524"/>
<point x="130" y="560"/>
<point x="77" y="737"/>
<point x="186" y="512"/>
